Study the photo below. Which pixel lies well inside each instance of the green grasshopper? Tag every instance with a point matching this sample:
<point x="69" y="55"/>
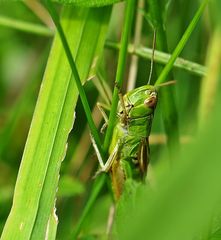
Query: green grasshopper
<point x="129" y="152"/>
<point x="129" y="148"/>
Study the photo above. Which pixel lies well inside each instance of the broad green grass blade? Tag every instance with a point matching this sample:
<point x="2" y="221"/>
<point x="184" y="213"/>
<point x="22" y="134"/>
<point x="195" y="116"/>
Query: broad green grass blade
<point x="52" y="226"/>
<point x="35" y="190"/>
<point x="76" y="76"/>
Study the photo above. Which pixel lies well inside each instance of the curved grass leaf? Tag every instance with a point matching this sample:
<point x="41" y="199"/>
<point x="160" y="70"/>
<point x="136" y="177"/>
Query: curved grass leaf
<point x="36" y="185"/>
<point x="88" y="3"/>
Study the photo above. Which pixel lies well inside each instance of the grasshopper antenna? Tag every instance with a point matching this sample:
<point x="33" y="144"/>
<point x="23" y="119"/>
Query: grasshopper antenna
<point x="152" y="58"/>
<point x="165" y="84"/>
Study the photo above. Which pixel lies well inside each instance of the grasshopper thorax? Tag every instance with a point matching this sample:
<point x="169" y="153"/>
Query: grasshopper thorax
<point x="138" y="103"/>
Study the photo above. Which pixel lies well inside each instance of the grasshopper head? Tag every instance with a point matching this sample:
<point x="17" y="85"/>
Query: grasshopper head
<point x="140" y="102"/>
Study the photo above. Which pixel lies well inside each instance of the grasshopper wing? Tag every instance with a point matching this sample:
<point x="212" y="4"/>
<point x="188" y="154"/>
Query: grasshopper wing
<point x="143" y="157"/>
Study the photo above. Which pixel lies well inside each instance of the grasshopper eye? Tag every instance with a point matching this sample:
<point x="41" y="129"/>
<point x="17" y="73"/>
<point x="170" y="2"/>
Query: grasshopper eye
<point x="148" y="92"/>
<point x="151" y="102"/>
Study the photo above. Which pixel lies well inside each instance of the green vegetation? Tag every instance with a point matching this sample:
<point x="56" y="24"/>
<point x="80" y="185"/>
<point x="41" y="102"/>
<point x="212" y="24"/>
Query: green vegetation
<point x="57" y="60"/>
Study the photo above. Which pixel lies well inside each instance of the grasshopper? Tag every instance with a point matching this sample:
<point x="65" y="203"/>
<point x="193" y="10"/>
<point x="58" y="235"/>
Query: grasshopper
<point x="129" y="151"/>
<point x="129" y="148"/>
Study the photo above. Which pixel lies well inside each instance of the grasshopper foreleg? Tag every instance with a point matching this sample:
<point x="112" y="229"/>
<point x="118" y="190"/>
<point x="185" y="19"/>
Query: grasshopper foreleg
<point x="100" y="160"/>
<point x="124" y="114"/>
<point x="104" y="167"/>
<point x="101" y="108"/>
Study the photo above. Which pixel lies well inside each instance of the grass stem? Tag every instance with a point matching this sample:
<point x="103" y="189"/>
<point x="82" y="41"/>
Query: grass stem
<point x="120" y="69"/>
<point x="26" y="26"/>
<point x="161" y="57"/>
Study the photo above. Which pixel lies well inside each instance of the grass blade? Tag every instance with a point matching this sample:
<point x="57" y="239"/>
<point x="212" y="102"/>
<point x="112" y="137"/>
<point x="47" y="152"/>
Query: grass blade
<point x="88" y="3"/>
<point x="210" y="83"/>
<point x="26" y="26"/>
<point x="119" y="78"/>
<point x="82" y="93"/>
<point x="167" y="100"/>
<point x="120" y="69"/>
<point x="53" y="118"/>
<point x="186" y="198"/>
<point x="161" y="57"/>
<point x="181" y="43"/>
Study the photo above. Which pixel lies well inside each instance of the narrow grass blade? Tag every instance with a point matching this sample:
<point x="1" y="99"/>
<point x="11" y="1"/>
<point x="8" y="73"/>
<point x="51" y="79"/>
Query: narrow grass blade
<point x="167" y="99"/>
<point x="168" y="106"/>
<point x="120" y="69"/>
<point x="181" y="43"/>
<point x="119" y="79"/>
<point x="162" y="57"/>
<point x="209" y="87"/>
<point x="88" y="3"/>
<point x="26" y="26"/>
